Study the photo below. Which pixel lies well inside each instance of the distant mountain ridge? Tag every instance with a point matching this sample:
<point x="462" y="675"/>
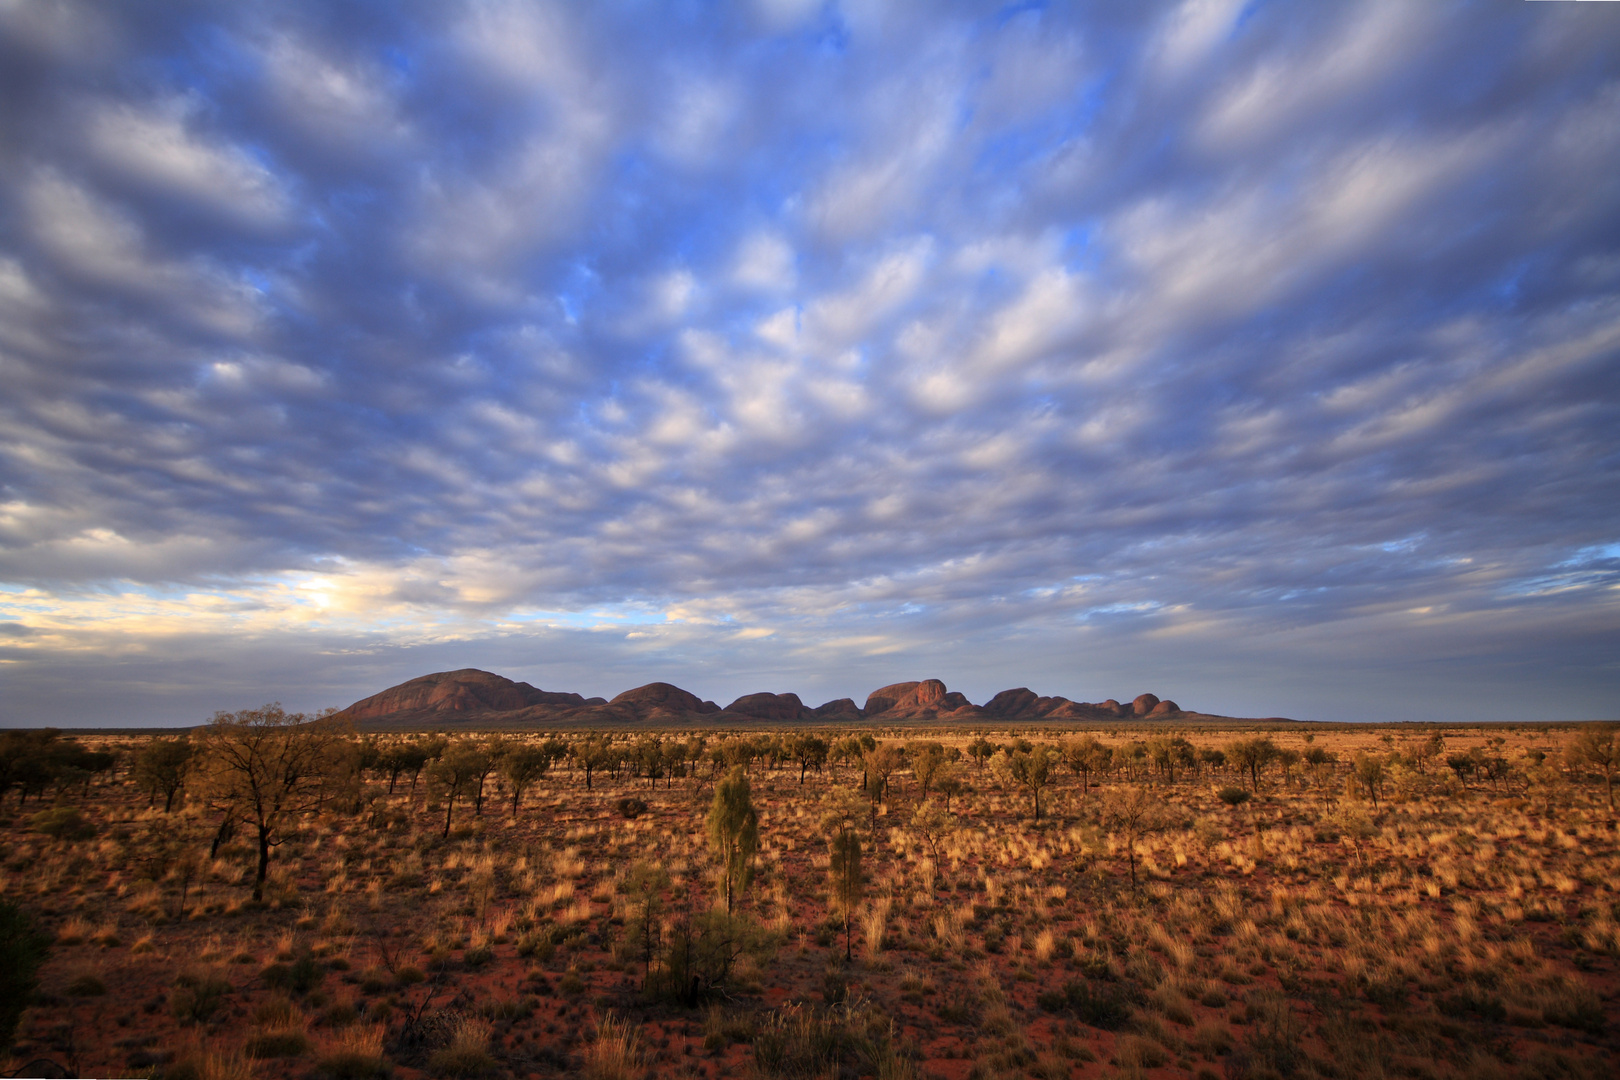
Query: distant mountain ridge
<point x="471" y="697"/>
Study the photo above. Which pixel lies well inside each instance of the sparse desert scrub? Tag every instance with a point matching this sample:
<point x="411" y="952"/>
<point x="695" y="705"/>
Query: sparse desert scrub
<point x="613" y="1054"/>
<point x="1463" y="923"/>
<point x="466" y="1053"/>
<point x="354" y="1053"/>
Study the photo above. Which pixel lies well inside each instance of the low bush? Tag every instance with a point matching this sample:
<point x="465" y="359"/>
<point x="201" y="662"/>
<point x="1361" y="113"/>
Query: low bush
<point x="196" y="997"/>
<point x="355" y="1053"/>
<point x="1107" y="1007"/>
<point x="298" y="978"/>
<point x="467" y="1054"/>
<point x="64" y="823"/>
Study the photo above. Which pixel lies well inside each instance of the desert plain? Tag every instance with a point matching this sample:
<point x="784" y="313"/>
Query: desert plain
<point x="284" y="896"/>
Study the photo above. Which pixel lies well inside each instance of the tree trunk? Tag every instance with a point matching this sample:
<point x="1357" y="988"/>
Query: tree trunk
<point x="449" y="808"/>
<point x="264" y="863"/>
<point x="226" y="830"/>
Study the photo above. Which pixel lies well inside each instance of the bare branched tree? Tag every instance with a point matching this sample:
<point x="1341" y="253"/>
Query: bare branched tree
<point x="267" y="767"/>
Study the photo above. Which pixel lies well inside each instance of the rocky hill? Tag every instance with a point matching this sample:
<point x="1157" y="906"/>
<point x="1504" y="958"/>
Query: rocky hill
<point x="474" y="698"/>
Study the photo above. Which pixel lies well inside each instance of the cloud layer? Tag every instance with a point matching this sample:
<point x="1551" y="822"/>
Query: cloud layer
<point x="1262" y="356"/>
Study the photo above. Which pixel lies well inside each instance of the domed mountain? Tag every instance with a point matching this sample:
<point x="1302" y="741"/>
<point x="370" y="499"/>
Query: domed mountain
<point x="455" y="695"/>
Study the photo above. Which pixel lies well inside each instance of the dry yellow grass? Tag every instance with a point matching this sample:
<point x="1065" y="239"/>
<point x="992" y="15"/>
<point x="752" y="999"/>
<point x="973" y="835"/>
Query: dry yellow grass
<point x="1456" y="916"/>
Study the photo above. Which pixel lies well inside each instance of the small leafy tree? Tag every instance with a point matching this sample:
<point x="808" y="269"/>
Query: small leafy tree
<point x="841" y="813"/>
<point x="161" y="768"/>
<point x="521" y="767"/>
<point x="1316" y="759"/>
<point x="981" y="750"/>
<point x="927" y="758"/>
<point x="811" y="753"/>
<point x="733" y="834"/>
<point x="594" y="754"/>
<point x="399" y="758"/>
<point x="456" y="772"/>
<point x="645" y="885"/>
<point x="848" y="881"/>
<point x="1594" y="747"/>
<point x="882" y="762"/>
<point x="1085" y="755"/>
<point x="492" y="753"/>
<point x="647" y="756"/>
<point x="1133" y="813"/>
<point x="932" y="824"/>
<point x="267" y="767"/>
<point x="1252" y="756"/>
<point x="1369" y="770"/>
<point x="1028" y="769"/>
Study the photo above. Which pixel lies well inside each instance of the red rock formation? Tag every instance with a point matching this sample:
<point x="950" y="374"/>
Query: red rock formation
<point x="455" y="692"/>
<point x="663" y="695"/>
<point x="843" y="710"/>
<point x="767" y="706"/>
<point x="1012" y="704"/>
<point x="470" y="696"/>
<point x="1023" y="704"/>
<point x="907" y="699"/>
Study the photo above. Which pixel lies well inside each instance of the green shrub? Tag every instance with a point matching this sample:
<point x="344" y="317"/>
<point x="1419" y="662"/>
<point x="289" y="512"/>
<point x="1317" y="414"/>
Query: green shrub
<point x="196" y="997"/>
<point x="509" y="1008"/>
<point x="23" y="946"/>
<point x="63" y="823"/>
<point x="374" y="980"/>
<point x="538" y="944"/>
<point x="1106" y="1007"/>
<point x="354" y="1054"/>
<point x="340" y="1015"/>
<point x="299" y="977"/>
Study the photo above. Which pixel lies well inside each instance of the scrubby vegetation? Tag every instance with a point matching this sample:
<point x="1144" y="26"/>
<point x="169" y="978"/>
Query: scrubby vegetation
<point x="276" y="895"/>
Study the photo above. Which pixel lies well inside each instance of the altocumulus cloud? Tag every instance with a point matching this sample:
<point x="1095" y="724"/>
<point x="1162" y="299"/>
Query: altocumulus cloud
<point x="1261" y="355"/>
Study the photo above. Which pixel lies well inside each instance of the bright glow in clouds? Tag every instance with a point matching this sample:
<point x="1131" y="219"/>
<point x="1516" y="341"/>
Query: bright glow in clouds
<point x="1263" y="356"/>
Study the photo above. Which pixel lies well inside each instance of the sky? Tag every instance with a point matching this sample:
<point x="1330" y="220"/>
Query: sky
<point x="1264" y="356"/>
